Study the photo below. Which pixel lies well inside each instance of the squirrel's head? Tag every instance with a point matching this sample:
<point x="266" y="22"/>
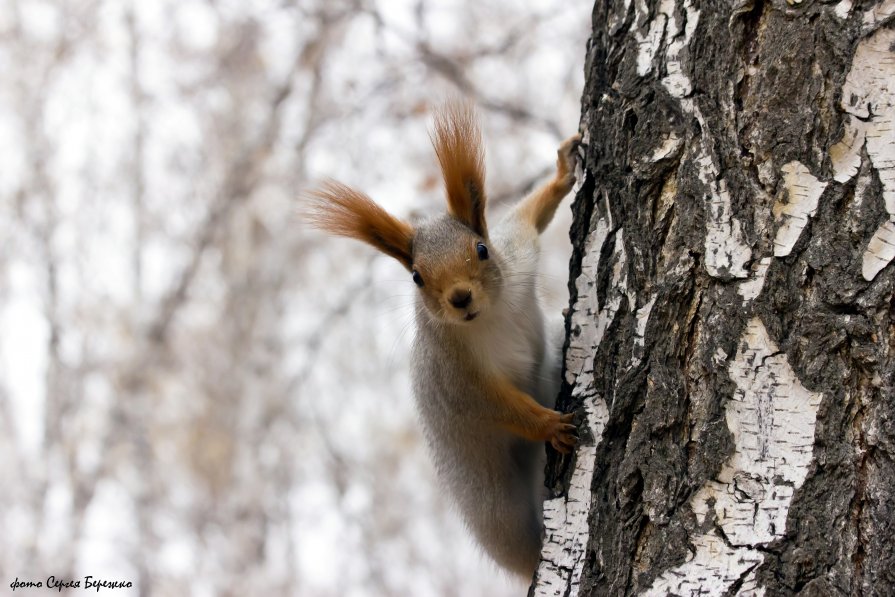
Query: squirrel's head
<point x="449" y="258"/>
<point x="456" y="270"/>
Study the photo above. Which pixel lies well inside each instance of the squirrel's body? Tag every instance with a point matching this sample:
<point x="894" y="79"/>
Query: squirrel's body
<point x="494" y="476"/>
<point x="485" y="374"/>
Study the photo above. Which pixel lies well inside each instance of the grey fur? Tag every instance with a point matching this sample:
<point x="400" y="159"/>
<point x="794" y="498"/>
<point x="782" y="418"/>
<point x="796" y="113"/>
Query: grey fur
<point x="494" y="478"/>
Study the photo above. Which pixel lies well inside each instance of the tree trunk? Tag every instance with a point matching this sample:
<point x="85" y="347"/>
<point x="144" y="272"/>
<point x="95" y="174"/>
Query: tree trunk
<point x="731" y="340"/>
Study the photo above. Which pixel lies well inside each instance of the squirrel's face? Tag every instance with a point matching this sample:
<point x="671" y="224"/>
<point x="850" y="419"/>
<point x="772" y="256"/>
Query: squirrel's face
<point x="456" y="271"/>
<point x="450" y="258"/>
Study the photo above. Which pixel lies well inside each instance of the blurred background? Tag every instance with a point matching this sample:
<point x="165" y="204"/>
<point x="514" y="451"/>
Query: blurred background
<point x="197" y="393"/>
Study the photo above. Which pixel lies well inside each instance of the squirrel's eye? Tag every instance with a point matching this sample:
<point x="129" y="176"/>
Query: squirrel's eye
<point x="417" y="279"/>
<point x="482" y="251"/>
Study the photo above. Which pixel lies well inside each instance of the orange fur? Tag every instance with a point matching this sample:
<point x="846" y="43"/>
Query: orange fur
<point x="521" y="415"/>
<point x="539" y="207"/>
<point x="458" y="145"/>
<point x="344" y="211"/>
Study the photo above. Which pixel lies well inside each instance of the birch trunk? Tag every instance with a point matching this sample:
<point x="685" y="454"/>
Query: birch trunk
<point x="731" y="339"/>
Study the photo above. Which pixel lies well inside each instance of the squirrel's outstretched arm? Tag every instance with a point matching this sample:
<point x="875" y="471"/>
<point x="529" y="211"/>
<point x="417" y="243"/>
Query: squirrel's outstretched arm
<point x="539" y="207"/>
<point x="520" y="414"/>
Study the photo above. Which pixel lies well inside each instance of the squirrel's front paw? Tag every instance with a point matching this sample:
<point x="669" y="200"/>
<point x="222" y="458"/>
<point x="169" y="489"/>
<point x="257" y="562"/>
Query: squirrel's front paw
<point x="562" y="433"/>
<point x="566" y="159"/>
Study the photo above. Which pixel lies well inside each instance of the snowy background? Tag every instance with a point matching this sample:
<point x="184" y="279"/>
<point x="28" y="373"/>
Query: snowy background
<point x="197" y="393"/>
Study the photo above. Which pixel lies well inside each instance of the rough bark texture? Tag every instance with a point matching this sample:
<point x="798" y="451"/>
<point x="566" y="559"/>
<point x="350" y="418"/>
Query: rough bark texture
<point x="731" y="341"/>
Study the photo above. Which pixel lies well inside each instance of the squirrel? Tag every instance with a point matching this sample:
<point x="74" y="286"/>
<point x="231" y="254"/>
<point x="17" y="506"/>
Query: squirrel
<point x="484" y="374"/>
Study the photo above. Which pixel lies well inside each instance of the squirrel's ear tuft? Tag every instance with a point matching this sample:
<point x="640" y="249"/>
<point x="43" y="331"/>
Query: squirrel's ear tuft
<point x="339" y="209"/>
<point x="458" y="145"/>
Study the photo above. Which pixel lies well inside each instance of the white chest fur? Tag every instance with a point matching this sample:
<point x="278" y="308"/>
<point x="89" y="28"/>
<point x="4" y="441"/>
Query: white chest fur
<point x="509" y="341"/>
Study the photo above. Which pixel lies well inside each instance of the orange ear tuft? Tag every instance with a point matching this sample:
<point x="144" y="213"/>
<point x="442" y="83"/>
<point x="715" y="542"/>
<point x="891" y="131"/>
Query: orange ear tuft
<point x="458" y="145"/>
<point x="344" y="211"/>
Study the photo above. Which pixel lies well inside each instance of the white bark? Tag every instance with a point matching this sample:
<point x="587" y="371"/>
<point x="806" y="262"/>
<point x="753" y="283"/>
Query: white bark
<point x="868" y="96"/>
<point x="771" y="417"/>
<point x="566" y="517"/>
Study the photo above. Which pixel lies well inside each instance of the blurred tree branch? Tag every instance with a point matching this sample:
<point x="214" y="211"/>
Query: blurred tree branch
<point x="180" y="341"/>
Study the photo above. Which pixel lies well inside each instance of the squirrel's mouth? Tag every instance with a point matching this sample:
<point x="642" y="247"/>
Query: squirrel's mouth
<point x="471" y="316"/>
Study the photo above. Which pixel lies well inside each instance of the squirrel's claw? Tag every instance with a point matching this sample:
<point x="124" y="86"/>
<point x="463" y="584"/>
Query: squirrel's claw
<point x="566" y="158"/>
<point x="568" y="147"/>
<point x="565" y="434"/>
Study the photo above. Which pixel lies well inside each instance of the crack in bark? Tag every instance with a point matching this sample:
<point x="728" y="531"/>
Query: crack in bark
<point x="857" y="505"/>
<point x="738" y="583"/>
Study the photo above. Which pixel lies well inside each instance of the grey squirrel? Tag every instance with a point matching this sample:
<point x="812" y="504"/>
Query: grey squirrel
<point x="484" y="375"/>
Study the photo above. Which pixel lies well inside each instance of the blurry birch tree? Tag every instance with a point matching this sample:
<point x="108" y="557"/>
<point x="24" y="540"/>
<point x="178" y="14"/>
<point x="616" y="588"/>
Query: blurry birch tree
<point x="171" y="335"/>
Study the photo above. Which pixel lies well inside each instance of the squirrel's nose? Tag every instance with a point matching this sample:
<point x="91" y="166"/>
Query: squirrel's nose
<point x="461" y="298"/>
